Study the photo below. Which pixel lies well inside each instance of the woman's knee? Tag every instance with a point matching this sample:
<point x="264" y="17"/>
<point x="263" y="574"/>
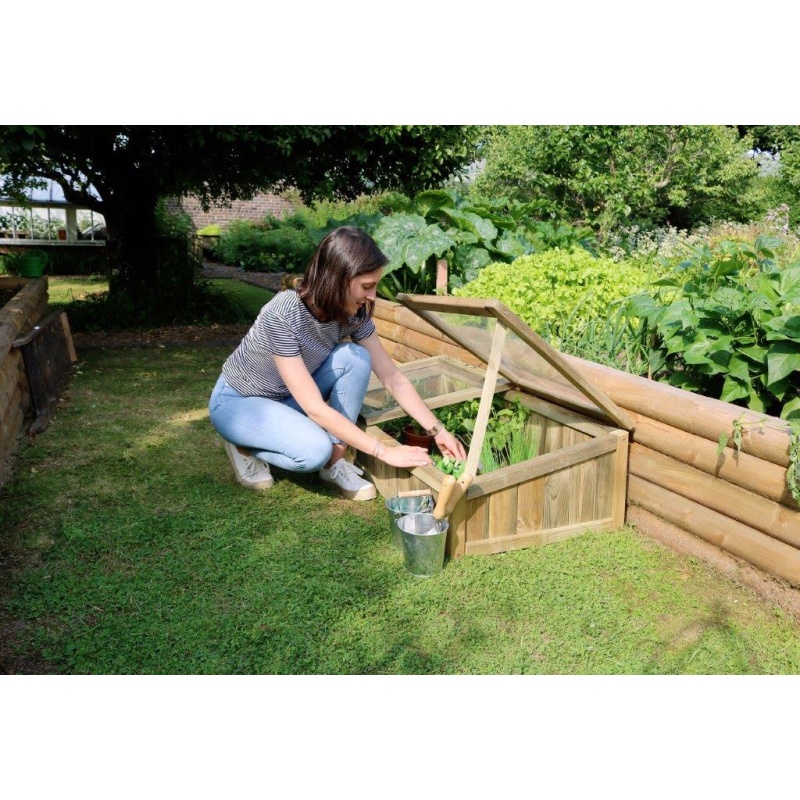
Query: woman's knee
<point x="354" y="356"/>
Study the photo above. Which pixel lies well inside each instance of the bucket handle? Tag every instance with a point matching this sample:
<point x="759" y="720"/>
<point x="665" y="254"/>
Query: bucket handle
<point x="414" y="493"/>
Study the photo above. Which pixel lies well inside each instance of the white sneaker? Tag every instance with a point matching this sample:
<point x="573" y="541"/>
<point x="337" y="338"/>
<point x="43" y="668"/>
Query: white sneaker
<point x="343" y="476"/>
<point x="250" y="471"/>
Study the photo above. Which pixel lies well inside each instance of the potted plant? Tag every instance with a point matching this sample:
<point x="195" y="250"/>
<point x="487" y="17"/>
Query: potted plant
<point x="415" y="435"/>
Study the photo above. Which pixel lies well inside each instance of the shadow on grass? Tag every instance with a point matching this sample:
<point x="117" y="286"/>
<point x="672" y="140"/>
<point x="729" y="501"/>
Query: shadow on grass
<point x="132" y="550"/>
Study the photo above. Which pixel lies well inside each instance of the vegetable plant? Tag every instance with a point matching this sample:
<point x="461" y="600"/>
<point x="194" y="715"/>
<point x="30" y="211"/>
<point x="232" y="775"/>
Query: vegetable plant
<point x="726" y="323"/>
<point x="508" y="439"/>
<point x="558" y="291"/>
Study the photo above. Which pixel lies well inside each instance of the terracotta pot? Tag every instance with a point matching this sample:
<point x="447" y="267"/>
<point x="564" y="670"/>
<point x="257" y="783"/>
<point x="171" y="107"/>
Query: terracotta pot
<point x="414" y="439"/>
<point x="62" y="234"/>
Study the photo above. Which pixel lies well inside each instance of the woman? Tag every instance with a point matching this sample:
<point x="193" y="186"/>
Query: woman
<point x="290" y="394"/>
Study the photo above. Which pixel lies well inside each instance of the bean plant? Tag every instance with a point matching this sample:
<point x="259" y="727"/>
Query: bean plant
<point x="726" y="323"/>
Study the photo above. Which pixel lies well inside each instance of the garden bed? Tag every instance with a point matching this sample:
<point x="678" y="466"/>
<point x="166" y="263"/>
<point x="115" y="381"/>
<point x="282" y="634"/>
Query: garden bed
<point x="574" y="482"/>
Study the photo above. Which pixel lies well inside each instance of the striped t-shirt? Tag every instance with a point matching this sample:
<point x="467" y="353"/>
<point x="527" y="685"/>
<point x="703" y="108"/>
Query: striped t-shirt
<point x="285" y="327"/>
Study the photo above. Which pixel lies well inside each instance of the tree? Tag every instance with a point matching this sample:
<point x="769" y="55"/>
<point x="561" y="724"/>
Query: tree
<point x="779" y="146"/>
<point x="122" y="171"/>
<point x="602" y="175"/>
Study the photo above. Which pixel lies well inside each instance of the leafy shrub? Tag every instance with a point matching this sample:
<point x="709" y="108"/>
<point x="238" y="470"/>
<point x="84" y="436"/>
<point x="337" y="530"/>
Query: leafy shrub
<point x="210" y="230"/>
<point x="174" y="224"/>
<point x="557" y="290"/>
<point x="266" y="247"/>
<point x="78" y="261"/>
<point x="205" y="304"/>
<point x="726" y="324"/>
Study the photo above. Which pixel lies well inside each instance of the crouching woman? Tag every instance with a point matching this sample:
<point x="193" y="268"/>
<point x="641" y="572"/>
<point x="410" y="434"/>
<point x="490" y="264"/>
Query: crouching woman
<point x="290" y="394"/>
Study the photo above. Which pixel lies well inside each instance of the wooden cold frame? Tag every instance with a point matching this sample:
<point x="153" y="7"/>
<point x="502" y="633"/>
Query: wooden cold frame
<point x="577" y="483"/>
<point x="578" y="480"/>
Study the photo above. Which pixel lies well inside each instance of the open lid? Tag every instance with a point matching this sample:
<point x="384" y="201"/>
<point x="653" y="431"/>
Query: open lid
<point x="526" y="359"/>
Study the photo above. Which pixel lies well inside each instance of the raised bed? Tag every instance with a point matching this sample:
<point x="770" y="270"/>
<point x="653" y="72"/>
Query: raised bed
<point x="576" y="482"/>
<point x="24" y="304"/>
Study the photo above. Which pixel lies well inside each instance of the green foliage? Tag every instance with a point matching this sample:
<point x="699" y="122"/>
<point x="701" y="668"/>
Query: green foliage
<point x="74" y="261"/>
<point x="508" y="439"/>
<point x="131" y="166"/>
<point x="265" y="247"/>
<point x="173" y="224"/>
<point x="470" y="232"/>
<point x="450" y="466"/>
<point x="558" y="290"/>
<point x="207" y="304"/>
<point x="210" y="230"/>
<point x="607" y="175"/>
<point x="726" y="324"/>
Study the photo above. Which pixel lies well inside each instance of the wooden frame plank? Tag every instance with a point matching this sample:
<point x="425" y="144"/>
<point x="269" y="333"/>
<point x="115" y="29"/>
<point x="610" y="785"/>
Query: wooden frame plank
<point x="535" y="538"/>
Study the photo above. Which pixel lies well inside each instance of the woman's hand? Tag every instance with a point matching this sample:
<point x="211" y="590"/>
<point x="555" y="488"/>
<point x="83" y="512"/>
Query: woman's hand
<point x="404" y="456"/>
<point x="449" y="445"/>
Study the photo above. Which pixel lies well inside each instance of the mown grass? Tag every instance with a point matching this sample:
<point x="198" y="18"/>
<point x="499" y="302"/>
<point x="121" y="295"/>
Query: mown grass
<point x="129" y="549"/>
<point x="63" y="290"/>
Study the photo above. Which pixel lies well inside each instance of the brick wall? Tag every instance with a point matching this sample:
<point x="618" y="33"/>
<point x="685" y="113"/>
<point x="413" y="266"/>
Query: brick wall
<point x="255" y="209"/>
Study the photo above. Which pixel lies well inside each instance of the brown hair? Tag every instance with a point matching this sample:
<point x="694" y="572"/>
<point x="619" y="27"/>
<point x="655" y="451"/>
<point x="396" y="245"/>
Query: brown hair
<point x="342" y="255"/>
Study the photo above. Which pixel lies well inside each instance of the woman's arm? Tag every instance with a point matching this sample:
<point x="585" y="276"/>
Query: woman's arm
<point x="401" y="388"/>
<point x="301" y="386"/>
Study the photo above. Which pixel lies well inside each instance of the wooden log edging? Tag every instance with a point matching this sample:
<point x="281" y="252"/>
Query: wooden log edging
<point x="742" y="540"/>
<point x="716" y="494"/>
<point x="705" y="417"/>
<point x="27" y="307"/>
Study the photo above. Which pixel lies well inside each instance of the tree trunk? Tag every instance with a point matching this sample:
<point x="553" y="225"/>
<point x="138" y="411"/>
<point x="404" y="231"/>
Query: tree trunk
<point x="132" y="246"/>
<point x="151" y="277"/>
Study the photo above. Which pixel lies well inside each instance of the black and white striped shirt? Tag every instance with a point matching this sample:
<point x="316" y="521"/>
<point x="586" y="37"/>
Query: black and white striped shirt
<point x="285" y="327"/>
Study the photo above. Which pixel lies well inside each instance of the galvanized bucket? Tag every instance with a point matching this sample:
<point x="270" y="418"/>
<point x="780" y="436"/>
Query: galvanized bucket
<point x="398" y="506"/>
<point x="423" y="538"/>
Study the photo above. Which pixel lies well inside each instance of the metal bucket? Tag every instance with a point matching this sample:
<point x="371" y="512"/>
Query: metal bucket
<point x="400" y="506"/>
<point x="423" y="538"/>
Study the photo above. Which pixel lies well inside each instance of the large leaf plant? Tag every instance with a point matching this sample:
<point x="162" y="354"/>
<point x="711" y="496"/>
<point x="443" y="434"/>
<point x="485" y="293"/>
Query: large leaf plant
<point x="726" y="324"/>
<point x="468" y="232"/>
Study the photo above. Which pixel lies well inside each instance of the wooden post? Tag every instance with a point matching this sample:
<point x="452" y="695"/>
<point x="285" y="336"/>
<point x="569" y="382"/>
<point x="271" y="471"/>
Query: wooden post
<point x="441" y="276"/>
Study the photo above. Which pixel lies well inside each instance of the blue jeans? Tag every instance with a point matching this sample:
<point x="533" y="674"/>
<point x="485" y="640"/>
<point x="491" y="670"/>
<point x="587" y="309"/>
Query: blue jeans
<point x="278" y="431"/>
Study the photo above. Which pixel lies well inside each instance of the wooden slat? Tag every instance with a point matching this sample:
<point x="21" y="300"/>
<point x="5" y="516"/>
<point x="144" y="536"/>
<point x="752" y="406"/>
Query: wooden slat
<point x="619" y="494"/>
<point x="530" y="504"/>
<point x="558" y="496"/>
<point x="479" y="307"/>
<point x="748" y="543"/>
<point x="558" y="413"/>
<point x="536" y="538"/>
<point x="587" y="481"/>
<point x="503" y="513"/>
<point x="540" y="466"/>
<point x="485" y="407"/>
<point x="477" y="516"/>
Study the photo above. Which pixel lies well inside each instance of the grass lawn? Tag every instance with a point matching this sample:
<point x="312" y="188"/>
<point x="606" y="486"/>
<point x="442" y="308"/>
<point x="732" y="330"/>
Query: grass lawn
<point x="66" y="289"/>
<point x="128" y="548"/>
